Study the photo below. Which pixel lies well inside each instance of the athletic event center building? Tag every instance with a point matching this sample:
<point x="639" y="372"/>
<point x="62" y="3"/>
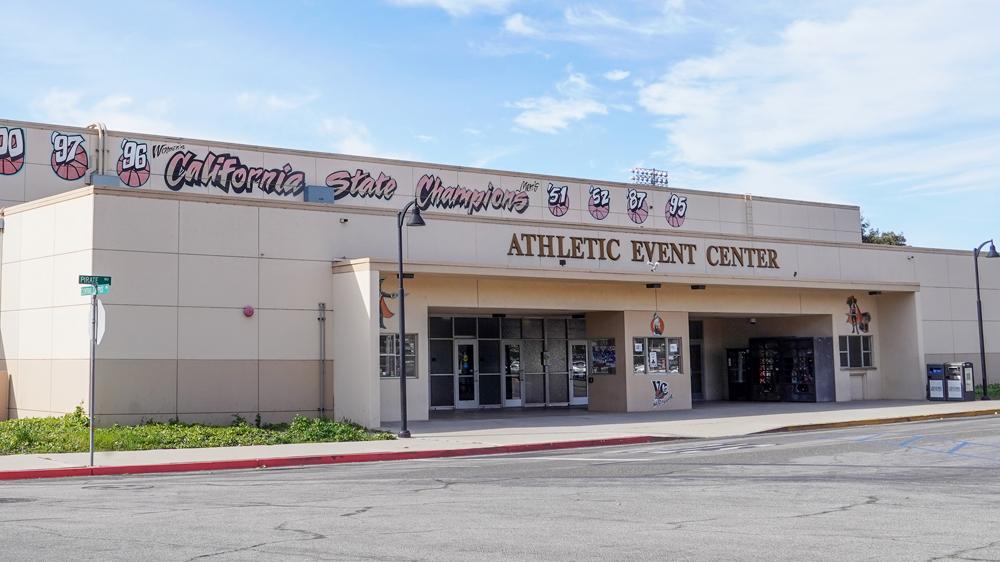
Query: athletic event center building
<point x="254" y="280"/>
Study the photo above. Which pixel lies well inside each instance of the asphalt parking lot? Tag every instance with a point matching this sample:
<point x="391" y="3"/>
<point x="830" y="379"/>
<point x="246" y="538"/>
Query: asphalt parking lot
<point x="920" y="491"/>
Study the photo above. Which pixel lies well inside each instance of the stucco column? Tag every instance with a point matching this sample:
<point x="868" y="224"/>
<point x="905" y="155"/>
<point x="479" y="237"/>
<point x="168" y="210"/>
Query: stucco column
<point x="355" y="344"/>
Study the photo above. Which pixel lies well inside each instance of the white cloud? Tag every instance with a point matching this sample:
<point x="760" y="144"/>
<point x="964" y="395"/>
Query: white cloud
<point x="547" y="114"/>
<point x="669" y="19"/>
<point x="808" y="112"/>
<point x="519" y="24"/>
<point x="118" y="111"/>
<point x="459" y="8"/>
<point x="424" y="138"/>
<point x="348" y="136"/>
<point x="256" y="101"/>
<point x="616" y="75"/>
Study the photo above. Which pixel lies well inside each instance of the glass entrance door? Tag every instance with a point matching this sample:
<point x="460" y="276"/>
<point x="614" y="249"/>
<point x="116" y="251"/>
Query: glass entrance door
<point x="466" y="395"/>
<point x="512" y="374"/>
<point x="579" y="370"/>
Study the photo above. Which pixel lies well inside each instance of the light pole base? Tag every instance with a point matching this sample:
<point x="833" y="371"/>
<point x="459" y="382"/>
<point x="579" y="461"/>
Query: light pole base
<point x="405" y="434"/>
<point x="985" y="397"/>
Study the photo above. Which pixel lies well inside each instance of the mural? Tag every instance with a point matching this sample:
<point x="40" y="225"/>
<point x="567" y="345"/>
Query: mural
<point x="636" y="205"/>
<point x="676" y="210"/>
<point x="361" y="184"/>
<point x="656" y="325"/>
<point x="599" y="203"/>
<point x="227" y="172"/>
<point x="69" y="157"/>
<point x="133" y="164"/>
<point x="857" y="318"/>
<point x="383" y="307"/>
<point x="558" y="199"/>
<point x="11" y="150"/>
<point x="661" y="393"/>
<point x="431" y="192"/>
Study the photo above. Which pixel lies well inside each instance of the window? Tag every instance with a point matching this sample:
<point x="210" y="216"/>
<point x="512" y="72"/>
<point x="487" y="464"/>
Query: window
<point x="388" y="355"/>
<point x="656" y="355"/>
<point x="856" y="352"/>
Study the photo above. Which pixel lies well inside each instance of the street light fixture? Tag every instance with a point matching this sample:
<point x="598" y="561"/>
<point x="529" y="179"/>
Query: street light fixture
<point x="415" y="220"/>
<point x="979" y="308"/>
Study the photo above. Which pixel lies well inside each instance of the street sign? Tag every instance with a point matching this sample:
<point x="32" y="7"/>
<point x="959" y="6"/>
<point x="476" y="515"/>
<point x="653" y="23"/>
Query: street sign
<point x="95" y="280"/>
<point x="102" y="322"/>
<point x="88" y="290"/>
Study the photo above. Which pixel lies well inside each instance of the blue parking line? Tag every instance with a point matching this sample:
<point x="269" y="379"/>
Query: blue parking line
<point x="869" y="437"/>
<point x="958" y="446"/>
<point x="911" y="440"/>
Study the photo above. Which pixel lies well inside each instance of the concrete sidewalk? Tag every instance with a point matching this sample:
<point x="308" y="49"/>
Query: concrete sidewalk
<point x="500" y="431"/>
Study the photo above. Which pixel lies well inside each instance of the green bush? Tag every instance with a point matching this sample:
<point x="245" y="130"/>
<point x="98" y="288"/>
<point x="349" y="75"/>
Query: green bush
<point x="992" y="390"/>
<point x="70" y="434"/>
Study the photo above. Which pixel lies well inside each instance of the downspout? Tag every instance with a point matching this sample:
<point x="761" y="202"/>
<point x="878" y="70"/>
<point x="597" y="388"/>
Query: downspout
<point x="322" y="359"/>
<point x="102" y="138"/>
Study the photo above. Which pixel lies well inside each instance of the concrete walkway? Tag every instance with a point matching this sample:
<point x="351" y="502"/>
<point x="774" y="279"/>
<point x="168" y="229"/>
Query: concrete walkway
<point x="461" y="433"/>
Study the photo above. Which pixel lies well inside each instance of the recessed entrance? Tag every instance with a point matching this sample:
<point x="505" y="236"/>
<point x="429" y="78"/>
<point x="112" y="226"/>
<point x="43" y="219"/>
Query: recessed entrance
<point x="507" y="362"/>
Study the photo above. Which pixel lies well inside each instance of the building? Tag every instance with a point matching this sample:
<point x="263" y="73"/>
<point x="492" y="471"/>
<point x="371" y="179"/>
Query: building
<point x="257" y="280"/>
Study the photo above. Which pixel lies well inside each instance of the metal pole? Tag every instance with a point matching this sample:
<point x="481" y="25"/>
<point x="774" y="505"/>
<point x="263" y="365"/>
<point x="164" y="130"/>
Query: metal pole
<point x="979" y="312"/>
<point x="93" y="355"/>
<point x="401" y="367"/>
<point x="322" y="359"/>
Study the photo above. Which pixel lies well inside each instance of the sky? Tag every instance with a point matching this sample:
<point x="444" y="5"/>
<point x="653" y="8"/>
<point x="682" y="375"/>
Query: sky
<point x="892" y="106"/>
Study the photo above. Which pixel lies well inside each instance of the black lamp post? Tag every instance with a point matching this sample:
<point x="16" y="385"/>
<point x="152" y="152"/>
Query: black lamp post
<point x="415" y="220"/>
<point x="979" y="308"/>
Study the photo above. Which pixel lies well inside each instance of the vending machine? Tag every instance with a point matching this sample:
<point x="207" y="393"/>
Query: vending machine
<point x="959" y="381"/>
<point x="738" y="373"/>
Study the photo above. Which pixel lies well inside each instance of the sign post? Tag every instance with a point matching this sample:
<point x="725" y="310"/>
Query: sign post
<point x="94" y="285"/>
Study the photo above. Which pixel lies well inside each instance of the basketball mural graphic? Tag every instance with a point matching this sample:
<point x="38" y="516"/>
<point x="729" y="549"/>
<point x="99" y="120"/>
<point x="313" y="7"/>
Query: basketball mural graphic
<point x="676" y="210"/>
<point x="636" y="203"/>
<point x="11" y="151"/>
<point x="558" y="199"/>
<point x="133" y="164"/>
<point x="69" y="157"/>
<point x="599" y="204"/>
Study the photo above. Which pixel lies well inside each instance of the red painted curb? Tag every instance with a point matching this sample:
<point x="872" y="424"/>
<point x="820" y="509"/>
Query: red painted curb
<point x="243" y="464"/>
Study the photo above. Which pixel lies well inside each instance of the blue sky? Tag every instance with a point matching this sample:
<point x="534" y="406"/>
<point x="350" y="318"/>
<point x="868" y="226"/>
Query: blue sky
<point x="893" y="106"/>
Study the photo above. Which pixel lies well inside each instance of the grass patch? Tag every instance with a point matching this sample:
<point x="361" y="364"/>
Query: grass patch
<point x="993" y="391"/>
<point x="70" y="434"/>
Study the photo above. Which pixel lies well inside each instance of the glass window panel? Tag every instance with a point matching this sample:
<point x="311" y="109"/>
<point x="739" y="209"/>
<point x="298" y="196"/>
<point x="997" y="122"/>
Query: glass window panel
<point x="511" y="328"/>
<point x="465" y="327"/>
<point x="638" y="356"/>
<point x="558" y="359"/>
<point x="389" y="355"/>
<point x="854" y="351"/>
<point x="489" y="356"/>
<point x="534" y="388"/>
<point x="696" y="329"/>
<point x="576" y="328"/>
<point x="866" y="343"/>
<point x="512" y="358"/>
<point x="866" y="359"/>
<point x="489" y="390"/>
<point x="555" y="328"/>
<point x="489" y="328"/>
<point x="558" y="387"/>
<point x="843" y="359"/>
<point x="843" y="343"/>
<point x="656" y="355"/>
<point x="531" y="356"/>
<point x="513" y="388"/>
<point x="674" y="355"/>
<point x="440" y="327"/>
<point x="532" y="328"/>
<point x="442" y="357"/>
<point x="442" y="391"/>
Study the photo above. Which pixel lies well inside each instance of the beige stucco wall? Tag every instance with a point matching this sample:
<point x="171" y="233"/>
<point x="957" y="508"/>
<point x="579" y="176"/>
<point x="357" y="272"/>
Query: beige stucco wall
<point x="609" y="393"/>
<point x="4" y="394"/>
